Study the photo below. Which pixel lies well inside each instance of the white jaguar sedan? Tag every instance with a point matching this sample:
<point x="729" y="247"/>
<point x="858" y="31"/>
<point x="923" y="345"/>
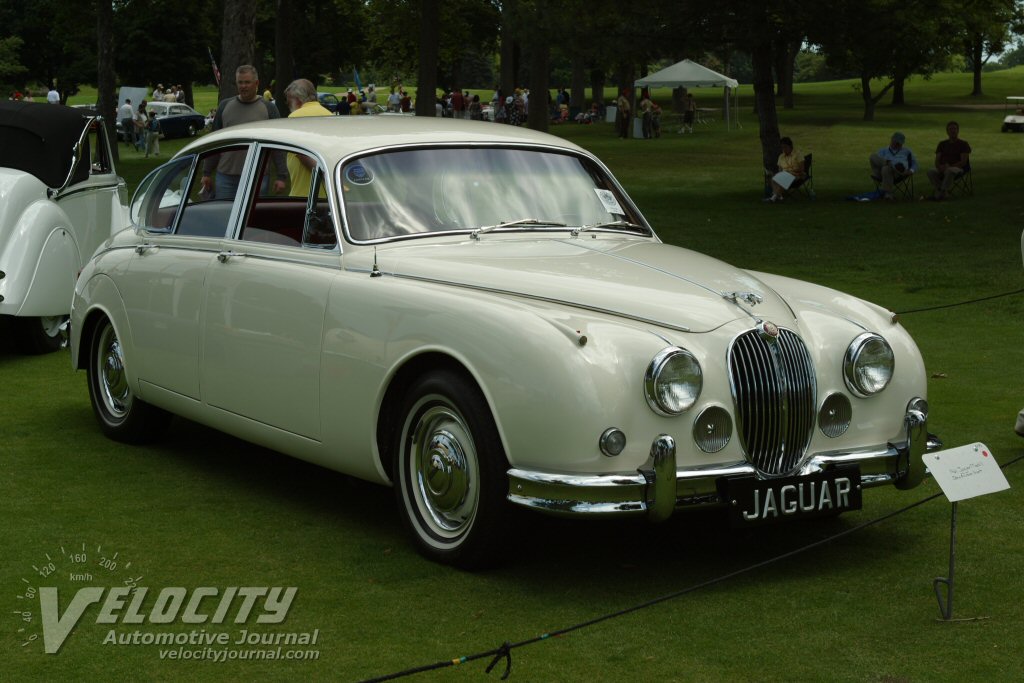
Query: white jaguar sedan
<point x="480" y="317"/>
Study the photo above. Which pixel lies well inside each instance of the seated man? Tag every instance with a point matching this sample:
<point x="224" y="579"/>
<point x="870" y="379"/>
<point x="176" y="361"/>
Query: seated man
<point x="790" y="169"/>
<point x="892" y="164"/>
<point x="952" y="158"/>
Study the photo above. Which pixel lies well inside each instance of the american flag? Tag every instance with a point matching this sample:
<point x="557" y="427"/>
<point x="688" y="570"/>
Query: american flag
<point x="213" y="63"/>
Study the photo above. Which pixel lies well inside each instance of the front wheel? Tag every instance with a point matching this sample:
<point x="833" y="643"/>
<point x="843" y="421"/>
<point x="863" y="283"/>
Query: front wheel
<point x="122" y="416"/>
<point x="192" y="130"/>
<point x="41" y="335"/>
<point x="450" y="471"/>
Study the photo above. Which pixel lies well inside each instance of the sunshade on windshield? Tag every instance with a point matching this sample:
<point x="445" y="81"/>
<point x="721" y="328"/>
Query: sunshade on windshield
<point x="40" y="139"/>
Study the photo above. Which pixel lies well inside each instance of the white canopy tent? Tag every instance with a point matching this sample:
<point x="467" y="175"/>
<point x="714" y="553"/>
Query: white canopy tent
<point x="690" y="74"/>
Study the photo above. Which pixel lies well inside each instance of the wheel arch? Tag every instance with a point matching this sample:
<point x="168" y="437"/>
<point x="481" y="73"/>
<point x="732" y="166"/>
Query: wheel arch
<point x="89" y="325"/>
<point x="389" y="415"/>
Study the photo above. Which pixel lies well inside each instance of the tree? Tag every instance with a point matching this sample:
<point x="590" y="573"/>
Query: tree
<point x="147" y="31"/>
<point x="238" y="42"/>
<point x="870" y="38"/>
<point x="426" y="85"/>
<point x="466" y="30"/>
<point x="57" y="47"/>
<point x="985" y="32"/>
<point x="106" y="80"/>
<point x="10" y="59"/>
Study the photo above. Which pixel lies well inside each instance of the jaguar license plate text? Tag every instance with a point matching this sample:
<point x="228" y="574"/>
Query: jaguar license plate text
<point x="753" y="501"/>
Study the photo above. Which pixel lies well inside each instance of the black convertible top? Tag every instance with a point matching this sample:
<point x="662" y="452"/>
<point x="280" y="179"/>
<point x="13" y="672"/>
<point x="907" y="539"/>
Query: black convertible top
<point x="41" y="139"/>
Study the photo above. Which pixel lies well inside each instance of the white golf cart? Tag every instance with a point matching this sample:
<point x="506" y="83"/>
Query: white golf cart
<point x="1013" y="118"/>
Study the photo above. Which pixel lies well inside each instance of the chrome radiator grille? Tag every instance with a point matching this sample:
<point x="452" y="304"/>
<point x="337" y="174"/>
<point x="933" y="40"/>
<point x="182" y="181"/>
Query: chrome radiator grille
<point x="774" y="388"/>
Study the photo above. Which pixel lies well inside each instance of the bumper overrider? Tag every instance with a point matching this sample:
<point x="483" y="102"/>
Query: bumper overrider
<point x="660" y="486"/>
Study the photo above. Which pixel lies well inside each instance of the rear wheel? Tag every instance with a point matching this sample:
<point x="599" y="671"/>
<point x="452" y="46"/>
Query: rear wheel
<point x="44" y="334"/>
<point x="450" y="471"/>
<point x="122" y="415"/>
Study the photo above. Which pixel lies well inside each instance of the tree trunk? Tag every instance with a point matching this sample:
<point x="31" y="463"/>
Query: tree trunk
<point x="865" y="93"/>
<point x="509" y="66"/>
<point x="538" y="115"/>
<point x="578" y="85"/>
<point x="106" y="80"/>
<point x="976" y="64"/>
<point x="899" y="79"/>
<point x="426" y="84"/>
<point x="597" y="87"/>
<point x="238" y="44"/>
<point x="785" y="66"/>
<point x="284" y="53"/>
<point x="764" y="95"/>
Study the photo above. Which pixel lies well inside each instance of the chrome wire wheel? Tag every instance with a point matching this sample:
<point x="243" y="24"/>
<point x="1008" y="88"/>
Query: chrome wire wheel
<point x="114" y="391"/>
<point x="443" y="469"/>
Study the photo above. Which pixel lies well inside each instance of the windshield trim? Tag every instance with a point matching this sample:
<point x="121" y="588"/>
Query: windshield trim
<point x="585" y="156"/>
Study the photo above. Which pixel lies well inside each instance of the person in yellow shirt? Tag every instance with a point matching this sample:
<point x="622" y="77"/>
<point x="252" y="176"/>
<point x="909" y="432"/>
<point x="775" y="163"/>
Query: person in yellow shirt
<point x="790" y="167"/>
<point x="302" y="101"/>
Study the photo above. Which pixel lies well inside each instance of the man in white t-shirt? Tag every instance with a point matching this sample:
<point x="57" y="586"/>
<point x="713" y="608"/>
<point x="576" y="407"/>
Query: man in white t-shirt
<point x="53" y="97"/>
<point x="127" y="116"/>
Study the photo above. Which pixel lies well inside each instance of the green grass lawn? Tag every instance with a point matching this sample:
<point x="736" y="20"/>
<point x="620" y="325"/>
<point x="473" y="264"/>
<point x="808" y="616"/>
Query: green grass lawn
<point x="203" y="509"/>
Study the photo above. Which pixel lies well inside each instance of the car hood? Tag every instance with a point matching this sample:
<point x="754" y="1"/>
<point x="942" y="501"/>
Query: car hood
<point x="639" y="279"/>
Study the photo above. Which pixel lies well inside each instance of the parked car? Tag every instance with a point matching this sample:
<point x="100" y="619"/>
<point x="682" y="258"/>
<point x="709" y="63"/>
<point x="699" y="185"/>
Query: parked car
<point x="329" y="101"/>
<point x="177" y="120"/>
<point x="482" y="318"/>
<point x="60" y="200"/>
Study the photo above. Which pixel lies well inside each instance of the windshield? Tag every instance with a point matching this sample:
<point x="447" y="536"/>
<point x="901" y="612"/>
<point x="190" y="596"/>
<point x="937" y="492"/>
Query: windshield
<point x="411" y="192"/>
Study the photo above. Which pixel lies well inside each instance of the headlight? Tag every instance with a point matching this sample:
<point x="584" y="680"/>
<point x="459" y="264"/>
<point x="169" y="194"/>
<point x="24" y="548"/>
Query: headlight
<point x="868" y="365"/>
<point x="673" y="381"/>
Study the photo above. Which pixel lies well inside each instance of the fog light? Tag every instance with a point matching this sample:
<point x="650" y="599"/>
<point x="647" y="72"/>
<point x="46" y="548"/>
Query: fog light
<point x="835" y="415"/>
<point x="712" y="429"/>
<point x="612" y="442"/>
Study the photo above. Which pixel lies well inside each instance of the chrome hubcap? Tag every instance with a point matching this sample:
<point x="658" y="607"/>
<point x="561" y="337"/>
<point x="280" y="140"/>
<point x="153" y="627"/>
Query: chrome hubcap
<point x="444" y="474"/>
<point x="113" y="382"/>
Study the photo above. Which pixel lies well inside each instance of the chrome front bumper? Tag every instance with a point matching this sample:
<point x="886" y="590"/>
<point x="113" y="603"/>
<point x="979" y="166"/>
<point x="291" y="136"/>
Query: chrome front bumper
<point x="660" y="486"/>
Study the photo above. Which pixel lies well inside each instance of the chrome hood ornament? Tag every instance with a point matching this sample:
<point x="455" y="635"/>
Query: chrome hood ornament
<point x="750" y="298"/>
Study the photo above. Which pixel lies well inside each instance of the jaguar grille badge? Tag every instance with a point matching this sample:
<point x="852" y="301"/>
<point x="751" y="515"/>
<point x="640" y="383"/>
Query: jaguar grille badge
<point x="767" y="330"/>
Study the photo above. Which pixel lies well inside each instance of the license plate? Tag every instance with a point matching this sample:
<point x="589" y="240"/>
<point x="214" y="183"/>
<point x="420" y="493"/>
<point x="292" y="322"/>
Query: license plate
<point x="755" y="501"/>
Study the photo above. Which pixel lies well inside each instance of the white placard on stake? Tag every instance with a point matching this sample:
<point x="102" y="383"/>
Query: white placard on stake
<point x="966" y="472"/>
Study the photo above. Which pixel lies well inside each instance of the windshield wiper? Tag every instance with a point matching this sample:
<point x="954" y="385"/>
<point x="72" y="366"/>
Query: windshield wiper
<point x="522" y="221"/>
<point x="607" y="224"/>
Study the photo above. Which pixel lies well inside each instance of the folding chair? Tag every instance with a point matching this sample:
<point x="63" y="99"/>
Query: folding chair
<point x="902" y="187"/>
<point x="805" y="185"/>
<point x="963" y="185"/>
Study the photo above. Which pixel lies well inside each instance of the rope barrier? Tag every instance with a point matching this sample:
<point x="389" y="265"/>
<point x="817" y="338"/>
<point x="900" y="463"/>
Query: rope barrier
<point x="962" y="303"/>
<point x="505" y="651"/>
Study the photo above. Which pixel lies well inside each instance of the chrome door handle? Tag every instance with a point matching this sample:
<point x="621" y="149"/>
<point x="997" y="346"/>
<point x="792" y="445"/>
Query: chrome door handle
<point x="143" y="248"/>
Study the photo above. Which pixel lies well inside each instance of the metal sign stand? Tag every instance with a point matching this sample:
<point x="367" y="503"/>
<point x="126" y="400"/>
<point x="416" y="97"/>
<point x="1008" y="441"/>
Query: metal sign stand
<point x="946" y="605"/>
<point x="964" y="472"/>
